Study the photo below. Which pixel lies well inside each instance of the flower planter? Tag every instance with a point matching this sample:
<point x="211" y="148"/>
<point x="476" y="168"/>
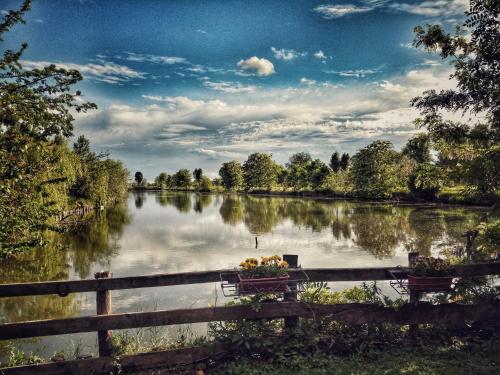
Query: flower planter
<point x="429" y="284"/>
<point x="275" y="284"/>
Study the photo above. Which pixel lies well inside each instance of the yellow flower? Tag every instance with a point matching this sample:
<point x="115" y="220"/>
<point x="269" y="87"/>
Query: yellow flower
<point x="276" y="258"/>
<point x="283" y="264"/>
<point x="264" y="261"/>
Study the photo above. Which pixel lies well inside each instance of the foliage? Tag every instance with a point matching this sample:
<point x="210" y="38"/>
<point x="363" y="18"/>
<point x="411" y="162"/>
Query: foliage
<point x="206" y="185"/>
<point x="344" y="161"/>
<point x="431" y="267"/>
<point x="270" y="266"/>
<point x="425" y="181"/>
<point x="259" y="172"/>
<point x="375" y="170"/>
<point x="138" y="177"/>
<point x="17" y="357"/>
<point x="163" y="181"/>
<point x="418" y="148"/>
<point x="182" y="179"/>
<point x="335" y="162"/>
<point x="231" y="174"/>
<point x="197" y="174"/>
<point x="476" y="63"/>
<point x="488" y="240"/>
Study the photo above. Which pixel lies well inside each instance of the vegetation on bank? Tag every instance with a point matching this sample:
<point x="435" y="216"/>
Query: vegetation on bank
<point x="40" y="174"/>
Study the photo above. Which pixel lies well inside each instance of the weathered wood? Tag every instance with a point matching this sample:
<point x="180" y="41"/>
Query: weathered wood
<point x="315" y="274"/>
<point x="103" y="307"/>
<point x="293" y="262"/>
<point x="355" y="313"/>
<point x="136" y="362"/>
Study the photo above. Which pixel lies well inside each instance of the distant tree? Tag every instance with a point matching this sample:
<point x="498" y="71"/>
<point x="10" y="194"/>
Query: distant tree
<point x="259" y="171"/>
<point x="335" y="162"/>
<point x="138" y="177"/>
<point x="375" y="170"/>
<point x="298" y="171"/>
<point x="182" y="179"/>
<point x="163" y="181"/>
<point x="217" y="181"/>
<point x="318" y="172"/>
<point x="197" y="174"/>
<point x="418" y="148"/>
<point x="206" y="185"/>
<point x="344" y="161"/>
<point x="231" y="174"/>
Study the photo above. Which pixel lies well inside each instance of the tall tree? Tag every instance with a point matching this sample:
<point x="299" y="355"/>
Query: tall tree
<point x="36" y="115"/>
<point x="375" y="170"/>
<point x="182" y="179"/>
<point x="344" y="161"/>
<point x="418" y="148"/>
<point x="231" y="174"/>
<point x="259" y="171"/>
<point x="138" y="177"/>
<point x="197" y="174"/>
<point x="335" y="162"/>
<point x="298" y="168"/>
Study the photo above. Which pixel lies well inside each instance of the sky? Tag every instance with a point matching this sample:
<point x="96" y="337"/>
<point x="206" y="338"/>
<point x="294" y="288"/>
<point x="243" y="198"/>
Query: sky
<point x="187" y="84"/>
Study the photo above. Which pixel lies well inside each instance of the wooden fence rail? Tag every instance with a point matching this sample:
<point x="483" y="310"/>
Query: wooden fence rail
<point x="63" y="288"/>
<point x="354" y="313"/>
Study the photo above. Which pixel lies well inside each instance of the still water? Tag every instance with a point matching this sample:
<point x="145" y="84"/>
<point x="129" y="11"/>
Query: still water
<point x="175" y="232"/>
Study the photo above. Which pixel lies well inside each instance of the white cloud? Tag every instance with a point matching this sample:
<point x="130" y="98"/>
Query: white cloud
<point x="228" y="87"/>
<point x="358" y="73"/>
<point x="201" y="31"/>
<point x="155" y="59"/>
<point x="286" y="54"/>
<point x="329" y="11"/>
<point x="306" y="81"/>
<point x="320" y="55"/>
<point x="261" y="66"/>
<point x="104" y="72"/>
<point x="429" y="8"/>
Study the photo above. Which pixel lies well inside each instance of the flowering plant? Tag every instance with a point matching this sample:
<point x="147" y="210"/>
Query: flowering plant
<point x="432" y="267"/>
<point x="271" y="266"/>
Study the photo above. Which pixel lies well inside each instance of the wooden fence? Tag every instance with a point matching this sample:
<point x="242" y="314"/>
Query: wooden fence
<point x="290" y="309"/>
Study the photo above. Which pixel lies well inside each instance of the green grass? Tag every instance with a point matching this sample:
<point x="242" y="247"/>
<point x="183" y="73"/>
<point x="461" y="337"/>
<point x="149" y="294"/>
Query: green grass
<point x="476" y="358"/>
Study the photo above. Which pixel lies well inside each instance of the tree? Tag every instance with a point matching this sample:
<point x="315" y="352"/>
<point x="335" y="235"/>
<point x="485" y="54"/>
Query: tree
<point x="344" y="161"/>
<point x="197" y="174"/>
<point x="375" y="170"/>
<point x="231" y="174"/>
<point x="163" y="181"/>
<point x="426" y="181"/>
<point x="138" y="177"/>
<point x="36" y="116"/>
<point x="318" y="172"/>
<point x="335" y="162"/>
<point x="206" y="185"/>
<point x="298" y="169"/>
<point x="259" y="172"/>
<point x="418" y="148"/>
<point x="182" y="179"/>
<point x="477" y="72"/>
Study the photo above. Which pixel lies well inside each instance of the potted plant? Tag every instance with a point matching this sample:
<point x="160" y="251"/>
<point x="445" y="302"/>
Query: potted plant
<point x="267" y="276"/>
<point x="429" y="274"/>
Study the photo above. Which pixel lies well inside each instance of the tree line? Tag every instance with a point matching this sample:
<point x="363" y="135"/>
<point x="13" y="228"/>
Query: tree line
<point x="40" y="174"/>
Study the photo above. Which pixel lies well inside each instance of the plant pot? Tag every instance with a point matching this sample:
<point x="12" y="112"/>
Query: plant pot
<point x="429" y="283"/>
<point x="273" y="284"/>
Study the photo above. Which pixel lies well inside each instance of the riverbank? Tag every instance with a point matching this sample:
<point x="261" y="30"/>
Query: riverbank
<point x="451" y="196"/>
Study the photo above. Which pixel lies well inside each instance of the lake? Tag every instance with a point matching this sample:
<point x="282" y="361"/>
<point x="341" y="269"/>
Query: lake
<point x="164" y="232"/>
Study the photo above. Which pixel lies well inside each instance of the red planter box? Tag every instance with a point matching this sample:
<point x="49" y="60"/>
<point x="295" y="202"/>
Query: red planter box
<point x="429" y="284"/>
<point x="263" y="284"/>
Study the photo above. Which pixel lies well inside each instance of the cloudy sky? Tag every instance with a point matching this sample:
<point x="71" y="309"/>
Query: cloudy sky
<point x="185" y="84"/>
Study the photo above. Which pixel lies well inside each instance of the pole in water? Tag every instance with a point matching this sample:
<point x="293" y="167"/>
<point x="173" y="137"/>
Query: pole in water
<point x="256" y="242"/>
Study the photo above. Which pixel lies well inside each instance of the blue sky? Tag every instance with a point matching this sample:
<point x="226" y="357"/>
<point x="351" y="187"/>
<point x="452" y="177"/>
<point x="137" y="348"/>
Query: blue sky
<point x="185" y="84"/>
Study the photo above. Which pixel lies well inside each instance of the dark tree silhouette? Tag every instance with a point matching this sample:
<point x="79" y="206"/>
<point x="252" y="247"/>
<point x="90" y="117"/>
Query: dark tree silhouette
<point x="335" y="162"/>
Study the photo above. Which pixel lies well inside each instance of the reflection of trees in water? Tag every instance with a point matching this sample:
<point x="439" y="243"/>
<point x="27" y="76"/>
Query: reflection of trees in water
<point x="182" y="201"/>
<point x="379" y="229"/>
<point x="96" y="242"/>
<point x="139" y="198"/>
<point x="341" y="225"/>
<point x="231" y="209"/>
<point x="85" y="245"/>
<point x="201" y="201"/>
<point x="426" y="226"/>
<point x="262" y="215"/>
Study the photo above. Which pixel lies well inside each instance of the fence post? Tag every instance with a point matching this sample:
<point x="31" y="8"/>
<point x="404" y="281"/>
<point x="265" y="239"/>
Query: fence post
<point x="414" y="296"/>
<point x="103" y="304"/>
<point x="293" y="262"/>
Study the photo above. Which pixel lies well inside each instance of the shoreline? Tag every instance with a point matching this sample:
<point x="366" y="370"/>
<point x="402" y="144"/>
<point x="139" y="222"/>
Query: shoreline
<point x="401" y="198"/>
